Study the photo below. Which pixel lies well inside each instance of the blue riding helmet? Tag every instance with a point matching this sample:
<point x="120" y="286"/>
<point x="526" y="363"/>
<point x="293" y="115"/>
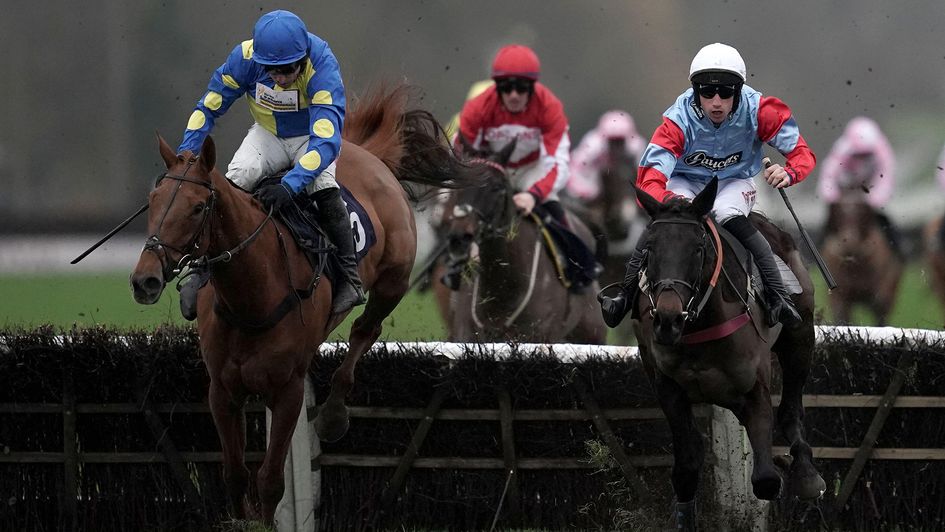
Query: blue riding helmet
<point x="279" y="38"/>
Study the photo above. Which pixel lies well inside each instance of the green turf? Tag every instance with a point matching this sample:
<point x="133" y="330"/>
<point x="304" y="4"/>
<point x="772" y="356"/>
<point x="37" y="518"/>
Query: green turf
<point x="93" y="299"/>
<point x="105" y="299"/>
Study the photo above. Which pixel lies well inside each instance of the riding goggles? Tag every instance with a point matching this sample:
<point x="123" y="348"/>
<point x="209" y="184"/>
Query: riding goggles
<point x="282" y="70"/>
<point x="708" y="91"/>
<point x="521" y="86"/>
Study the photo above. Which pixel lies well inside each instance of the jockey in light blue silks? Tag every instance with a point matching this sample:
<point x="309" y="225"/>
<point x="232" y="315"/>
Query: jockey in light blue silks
<point x="716" y="129"/>
<point x="292" y="83"/>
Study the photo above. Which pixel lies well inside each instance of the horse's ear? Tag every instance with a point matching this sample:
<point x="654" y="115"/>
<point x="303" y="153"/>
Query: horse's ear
<point x="650" y="204"/>
<point x="208" y="154"/>
<point x="703" y="203"/>
<point x="467" y="147"/>
<point x="167" y="153"/>
<point x="506" y="153"/>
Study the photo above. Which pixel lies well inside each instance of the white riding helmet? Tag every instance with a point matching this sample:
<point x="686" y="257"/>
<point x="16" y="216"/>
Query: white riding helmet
<point x="718" y="64"/>
<point x="717" y="58"/>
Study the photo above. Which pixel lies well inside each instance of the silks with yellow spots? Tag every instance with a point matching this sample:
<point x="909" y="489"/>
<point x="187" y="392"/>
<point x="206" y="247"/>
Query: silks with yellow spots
<point x="314" y="106"/>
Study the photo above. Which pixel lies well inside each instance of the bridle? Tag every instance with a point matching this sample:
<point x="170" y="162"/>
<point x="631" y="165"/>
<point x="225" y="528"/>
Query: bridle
<point x="489" y="227"/>
<point x="691" y="309"/>
<point x="188" y="258"/>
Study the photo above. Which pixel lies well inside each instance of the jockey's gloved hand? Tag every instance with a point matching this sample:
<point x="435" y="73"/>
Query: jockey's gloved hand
<point x="276" y="196"/>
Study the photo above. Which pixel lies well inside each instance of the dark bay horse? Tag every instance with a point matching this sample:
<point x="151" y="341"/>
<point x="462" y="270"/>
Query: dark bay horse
<point x="697" y="347"/>
<point x="513" y="291"/>
<point x="857" y="250"/>
<point x="613" y="214"/>
<point x="614" y="208"/>
<point x="249" y="346"/>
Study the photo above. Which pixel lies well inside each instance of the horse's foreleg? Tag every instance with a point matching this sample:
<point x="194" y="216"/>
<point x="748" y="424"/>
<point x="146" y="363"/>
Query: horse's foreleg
<point x="230" y="421"/>
<point x="270" y="479"/>
<point x="756" y="416"/>
<point x="688" y="448"/>
<point x="795" y="364"/>
<point x="332" y="421"/>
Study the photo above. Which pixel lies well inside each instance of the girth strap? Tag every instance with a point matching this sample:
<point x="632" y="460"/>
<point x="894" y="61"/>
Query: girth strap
<point x="288" y="303"/>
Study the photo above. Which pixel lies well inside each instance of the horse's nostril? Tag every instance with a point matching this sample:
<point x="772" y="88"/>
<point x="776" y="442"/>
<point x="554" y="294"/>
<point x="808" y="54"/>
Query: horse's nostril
<point x="152" y="284"/>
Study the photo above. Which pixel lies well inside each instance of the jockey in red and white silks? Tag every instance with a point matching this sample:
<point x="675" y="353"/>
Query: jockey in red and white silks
<point x="861" y="163"/>
<point x="590" y="157"/>
<point x="687" y="149"/>
<point x="539" y="163"/>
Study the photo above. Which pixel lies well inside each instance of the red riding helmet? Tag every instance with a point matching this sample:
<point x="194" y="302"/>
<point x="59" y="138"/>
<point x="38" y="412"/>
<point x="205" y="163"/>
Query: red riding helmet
<point x="516" y="61"/>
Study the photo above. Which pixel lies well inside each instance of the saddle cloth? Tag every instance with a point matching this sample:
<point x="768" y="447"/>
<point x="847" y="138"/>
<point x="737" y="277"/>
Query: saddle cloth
<point x="576" y="263"/>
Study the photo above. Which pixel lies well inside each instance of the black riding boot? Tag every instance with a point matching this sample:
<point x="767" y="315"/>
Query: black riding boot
<point x="188" y="289"/>
<point x="615" y="308"/>
<point x="780" y="306"/>
<point x="333" y="217"/>
<point x="556" y="211"/>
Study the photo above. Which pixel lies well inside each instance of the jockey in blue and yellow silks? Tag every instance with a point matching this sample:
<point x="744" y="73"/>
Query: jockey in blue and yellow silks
<point x="292" y="82"/>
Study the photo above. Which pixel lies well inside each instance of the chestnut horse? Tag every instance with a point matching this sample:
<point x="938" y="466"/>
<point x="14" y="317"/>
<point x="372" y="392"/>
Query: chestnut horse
<point x="702" y="339"/>
<point x="857" y="250"/>
<point x="513" y="292"/>
<point x="250" y="343"/>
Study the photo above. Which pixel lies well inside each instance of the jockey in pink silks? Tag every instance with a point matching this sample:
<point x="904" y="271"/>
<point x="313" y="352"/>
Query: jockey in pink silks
<point x="861" y="167"/>
<point x="589" y="159"/>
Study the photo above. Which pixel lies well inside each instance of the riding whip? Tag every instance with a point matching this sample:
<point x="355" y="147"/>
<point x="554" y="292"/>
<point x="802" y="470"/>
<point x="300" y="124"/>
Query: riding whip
<point x="110" y="234"/>
<point x="828" y="277"/>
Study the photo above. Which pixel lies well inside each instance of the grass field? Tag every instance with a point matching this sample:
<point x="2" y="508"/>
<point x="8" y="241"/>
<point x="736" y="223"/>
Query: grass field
<point x="105" y="299"/>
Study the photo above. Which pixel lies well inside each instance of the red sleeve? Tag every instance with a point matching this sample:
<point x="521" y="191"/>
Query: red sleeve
<point x="800" y="161"/>
<point x="776" y="126"/>
<point x="553" y="129"/>
<point x="667" y="144"/>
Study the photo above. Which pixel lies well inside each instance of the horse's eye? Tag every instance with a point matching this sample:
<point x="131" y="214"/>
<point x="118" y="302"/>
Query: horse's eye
<point x="198" y="208"/>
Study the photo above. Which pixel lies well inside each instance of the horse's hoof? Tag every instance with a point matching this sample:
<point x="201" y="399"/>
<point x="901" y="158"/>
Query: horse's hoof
<point x="684" y="516"/>
<point x="808" y="488"/>
<point x="767" y="488"/>
<point x="331" y="427"/>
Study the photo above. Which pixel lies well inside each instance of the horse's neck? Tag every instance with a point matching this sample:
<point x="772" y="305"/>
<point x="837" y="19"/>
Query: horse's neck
<point x="505" y="262"/>
<point x="233" y="221"/>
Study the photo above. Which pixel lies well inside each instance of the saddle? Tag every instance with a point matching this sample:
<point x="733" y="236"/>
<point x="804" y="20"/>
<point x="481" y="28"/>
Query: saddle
<point x="574" y="261"/>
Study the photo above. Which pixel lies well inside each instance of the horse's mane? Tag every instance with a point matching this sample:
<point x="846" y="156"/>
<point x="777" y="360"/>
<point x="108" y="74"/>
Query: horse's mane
<point x="409" y="141"/>
<point x="376" y="121"/>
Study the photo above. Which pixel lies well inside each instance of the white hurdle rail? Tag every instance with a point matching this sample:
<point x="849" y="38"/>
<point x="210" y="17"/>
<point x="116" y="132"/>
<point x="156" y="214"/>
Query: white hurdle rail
<point x="296" y="512"/>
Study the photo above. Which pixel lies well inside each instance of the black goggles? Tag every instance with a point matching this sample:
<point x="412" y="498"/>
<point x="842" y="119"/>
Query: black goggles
<point x="282" y="70"/>
<point x="521" y="86"/>
<point x="709" y="91"/>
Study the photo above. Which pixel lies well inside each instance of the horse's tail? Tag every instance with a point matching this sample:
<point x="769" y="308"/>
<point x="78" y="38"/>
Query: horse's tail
<point x="409" y="141"/>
